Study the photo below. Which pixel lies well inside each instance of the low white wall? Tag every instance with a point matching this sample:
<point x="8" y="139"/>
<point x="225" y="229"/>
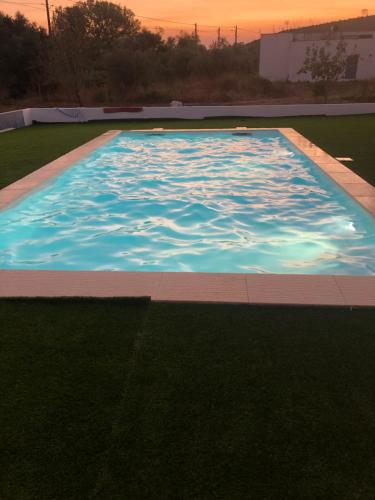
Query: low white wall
<point x="66" y="115"/>
<point x="26" y="117"/>
<point x="11" y="119"/>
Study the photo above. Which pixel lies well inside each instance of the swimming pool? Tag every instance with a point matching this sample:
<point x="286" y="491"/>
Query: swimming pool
<point x="221" y="202"/>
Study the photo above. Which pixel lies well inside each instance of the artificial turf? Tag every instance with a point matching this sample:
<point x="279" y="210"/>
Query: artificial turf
<point x="247" y="403"/>
<point x="24" y="150"/>
<point x="114" y="399"/>
<point x="106" y="399"/>
<point x="62" y="370"/>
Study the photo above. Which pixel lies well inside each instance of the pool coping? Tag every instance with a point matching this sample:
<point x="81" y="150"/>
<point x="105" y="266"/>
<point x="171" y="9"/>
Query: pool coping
<point x="275" y="289"/>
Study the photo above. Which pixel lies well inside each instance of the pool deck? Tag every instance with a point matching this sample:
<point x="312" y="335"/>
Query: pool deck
<point x="313" y="290"/>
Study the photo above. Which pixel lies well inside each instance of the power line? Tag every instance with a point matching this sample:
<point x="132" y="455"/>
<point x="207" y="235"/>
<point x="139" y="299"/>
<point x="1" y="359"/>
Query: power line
<point x="163" y="20"/>
<point x="172" y="21"/>
<point x="23" y="4"/>
<point x="196" y="26"/>
<point x="181" y="23"/>
<point x="20" y="3"/>
<point x="247" y="30"/>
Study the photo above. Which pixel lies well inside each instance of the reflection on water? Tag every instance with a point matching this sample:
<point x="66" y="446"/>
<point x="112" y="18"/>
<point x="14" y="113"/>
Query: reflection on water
<point x="191" y="202"/>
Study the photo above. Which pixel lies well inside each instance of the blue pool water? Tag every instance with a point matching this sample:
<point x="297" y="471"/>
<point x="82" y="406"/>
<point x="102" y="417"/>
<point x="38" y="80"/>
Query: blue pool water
<point x="213" y="202"/>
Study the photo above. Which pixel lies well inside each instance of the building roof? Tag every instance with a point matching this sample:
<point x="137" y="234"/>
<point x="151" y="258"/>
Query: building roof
<point x="357" y="24"/>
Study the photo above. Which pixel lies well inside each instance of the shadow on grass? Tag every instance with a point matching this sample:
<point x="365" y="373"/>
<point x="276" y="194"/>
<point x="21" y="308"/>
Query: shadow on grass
<point x="62" y="370"/>
<point x="238" y="402"/>
<point x="111" y="399"/>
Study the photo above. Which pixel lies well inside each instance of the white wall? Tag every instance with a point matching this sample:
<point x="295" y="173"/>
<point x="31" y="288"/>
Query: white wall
<point x="66" y="115"/>
<point x="274" y="56"/>
<point x="281" y="57"/>
<point x="12" y="119"/>
<point x="26" y="117"/>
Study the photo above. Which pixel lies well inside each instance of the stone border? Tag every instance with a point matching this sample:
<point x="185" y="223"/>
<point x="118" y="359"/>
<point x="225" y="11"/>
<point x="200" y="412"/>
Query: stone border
<point x="270" y="289"/>
<point x="276" y="289"/>
<point x="38" y="178"/>
<point x="354" y="186"/>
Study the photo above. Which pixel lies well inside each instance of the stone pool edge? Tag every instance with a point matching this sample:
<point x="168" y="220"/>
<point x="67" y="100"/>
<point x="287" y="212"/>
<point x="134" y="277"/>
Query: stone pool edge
<point x="36" y="179"/>
<point x="353" y="185"/>
<point x="262" y="289"/>
<point x="271" y="289"/>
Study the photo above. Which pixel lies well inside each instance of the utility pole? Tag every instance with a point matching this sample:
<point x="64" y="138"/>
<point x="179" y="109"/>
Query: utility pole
<point x="235" y="35"/>
<point x="218" y="36"/>
<point x="196" y="32"/>
<point x="48" y="17"/>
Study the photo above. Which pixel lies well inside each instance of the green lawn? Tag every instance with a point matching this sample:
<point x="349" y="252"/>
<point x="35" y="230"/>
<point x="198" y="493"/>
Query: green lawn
<point x="24" y="150"/>
<point x="126" y="400"/>
<point x="122" y="400"/>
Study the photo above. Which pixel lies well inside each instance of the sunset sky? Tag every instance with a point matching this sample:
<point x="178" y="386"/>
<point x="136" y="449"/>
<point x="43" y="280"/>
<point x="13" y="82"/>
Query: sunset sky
<point x="251" y="17"/>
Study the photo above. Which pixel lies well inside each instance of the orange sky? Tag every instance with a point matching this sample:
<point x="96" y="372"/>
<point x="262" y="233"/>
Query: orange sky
<point x="251" y="17"/>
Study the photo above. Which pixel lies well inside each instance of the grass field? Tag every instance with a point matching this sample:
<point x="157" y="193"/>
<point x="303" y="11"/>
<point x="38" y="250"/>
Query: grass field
<point x="130" y="400"/>
<point x="24" y="150"/>
<point x="118" y="399"/>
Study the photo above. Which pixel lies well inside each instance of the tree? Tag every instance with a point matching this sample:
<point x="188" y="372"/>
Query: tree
<point x="21" y="46"/>
<point x="98" y="52"/>
<point x="127" y="68"/>
<point x="325" y="66"/>
<point x="82" y="35"/>
<point x="106" y="22"/>
<point x="182" y="52"/>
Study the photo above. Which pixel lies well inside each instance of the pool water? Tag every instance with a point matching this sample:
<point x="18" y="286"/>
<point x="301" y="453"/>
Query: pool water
<point x="200" y="202"/>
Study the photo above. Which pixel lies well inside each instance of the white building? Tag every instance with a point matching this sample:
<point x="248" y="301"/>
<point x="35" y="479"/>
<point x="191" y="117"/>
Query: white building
<point x="282" y="54"/>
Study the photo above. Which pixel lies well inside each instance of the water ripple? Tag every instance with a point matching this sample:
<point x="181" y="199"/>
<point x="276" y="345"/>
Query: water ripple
<point x="191" y="202"/>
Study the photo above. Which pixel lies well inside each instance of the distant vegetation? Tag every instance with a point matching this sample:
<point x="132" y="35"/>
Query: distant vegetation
<point x="98" y="53"/>
<point x="325" y="66"/>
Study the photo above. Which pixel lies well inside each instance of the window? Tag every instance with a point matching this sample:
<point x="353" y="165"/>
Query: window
<point x="351" y="67"/>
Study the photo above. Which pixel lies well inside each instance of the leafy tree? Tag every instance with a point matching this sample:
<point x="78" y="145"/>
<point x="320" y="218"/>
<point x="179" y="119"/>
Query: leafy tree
<point x="128" y="68"/>
<point x="82" y="35"/>
<point x="325" y="66"/>
<point x="98" y="51"/>
<point x="22" y="49"/>
<point x="106" y="22"/>
<point x="147" y="40"/>
<point x="182" y="51"/>
<point x="98" y="21"/>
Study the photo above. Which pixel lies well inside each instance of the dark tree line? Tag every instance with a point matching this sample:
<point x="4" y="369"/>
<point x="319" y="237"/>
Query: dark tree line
<point x="22" y="55"/>
<point x="99" y="48"/>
